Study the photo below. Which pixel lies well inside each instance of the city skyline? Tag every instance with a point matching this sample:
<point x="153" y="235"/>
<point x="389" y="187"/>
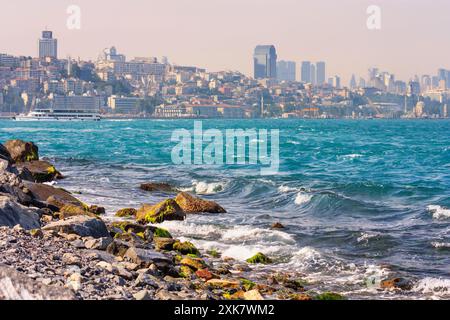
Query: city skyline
<point x="342" y="40"/>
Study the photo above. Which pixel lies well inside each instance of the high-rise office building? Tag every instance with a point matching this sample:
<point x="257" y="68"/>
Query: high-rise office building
<point x="48" y="46"/>
<point x="265" y="62"/>
<point x="313" y="75"/>
<point x="353" y="84"/>
<point x="286" y="70"/>
<point x="306" y="72"/>
<point x="321" y="73"/>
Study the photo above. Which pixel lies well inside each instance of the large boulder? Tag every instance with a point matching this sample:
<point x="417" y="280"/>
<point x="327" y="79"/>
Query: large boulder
<point x="5" y="158"/>
<point x="83" y="226"/>
<point x="17" y="286"/>
<point x="55" y="197"/>
<point x="22" y="151"/>
<point x="163" y="211"/>
<point x="41" y="171"/>
<point x="12" y="213"/>
<point x="191" y="204"/>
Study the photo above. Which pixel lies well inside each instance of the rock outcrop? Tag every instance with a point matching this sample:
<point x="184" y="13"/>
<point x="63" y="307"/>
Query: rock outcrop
<point x="12" y="213"/>
<point x="82" y="226"/>
<point x="22" y="151"/>
<point x="164" y="211"/>
<point x="192" y="204"/>
<point x="41" y="171"/>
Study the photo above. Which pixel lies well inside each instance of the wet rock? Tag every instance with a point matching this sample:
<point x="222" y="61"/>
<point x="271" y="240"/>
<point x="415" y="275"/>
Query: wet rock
<point x="97" y="210"/>
<point x="83" y="226"/>
<point x="22" y="151"/>
<point x="300" y="297"/>
<point x="166" y="210"/>
<point x="146" y="257"/>
<point x="157" y="187"/>
<point x="70" y="210"/>
<point x="259" y="258"/>
<point x="185" y="248"/>
<point x="12" y="213"/>
<point x="16" y="286"/>
<point x="55" y="197"/>
<point x="40" y="171"/>
<point x="191" y="204"/>
<point x="396" y="283"/>
<point x="126" y="213"/>
<point x="329" y="296"/>
<point x="277" y="225"/>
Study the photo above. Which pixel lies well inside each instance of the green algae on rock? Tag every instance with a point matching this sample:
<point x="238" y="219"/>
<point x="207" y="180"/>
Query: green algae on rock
<point x="164" y="211"/>
<point x="259" y="258"/>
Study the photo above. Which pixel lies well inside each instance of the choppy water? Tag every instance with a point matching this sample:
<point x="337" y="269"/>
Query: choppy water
<point x="362" y="200"/>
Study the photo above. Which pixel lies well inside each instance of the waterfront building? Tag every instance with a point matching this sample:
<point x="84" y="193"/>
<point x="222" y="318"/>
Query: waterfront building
<point x="124" y="105"/>
<point x="75" y="102"/>
<point x="265" y="62"/>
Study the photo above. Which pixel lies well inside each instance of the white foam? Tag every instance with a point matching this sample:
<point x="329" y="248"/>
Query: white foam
<point x="286" y="189"/>
<point x="432" y="286"/>
<point x="440" y="245"/>
<point x="201" y="187"/>
<point x="366" y="236"/>
<point x="439" y="212"/>
<point x="302" y="198"/>
<point x="351" y="156"/>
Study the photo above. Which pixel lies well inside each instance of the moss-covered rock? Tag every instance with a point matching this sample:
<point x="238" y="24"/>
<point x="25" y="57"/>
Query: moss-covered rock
<point x="164" y="243"/>
<point x="191" y="204"/>
<point x="70" y="210"/>
<point x="194" y="263"/>
<point x="329" y="296"/>
<point x="161" y="233"/>
<point x="127" y="226"/>
<point x="166" y="210"/>
<point x="97" y="210"/>
<point x="185" y="248"/>
<point x="157" y="187"/>
<point x="259" y="258"/>
<point x="22" y="151"/>
<point x="39" y="171"/>
<point x="186" y="272"/>
<point x="247" y="284"/>
<point x="214" y="253"/>
<point x="126" y="213"/>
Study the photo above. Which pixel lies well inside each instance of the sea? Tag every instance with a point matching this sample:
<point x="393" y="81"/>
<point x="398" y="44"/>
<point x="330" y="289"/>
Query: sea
<point x="361" y="200"/>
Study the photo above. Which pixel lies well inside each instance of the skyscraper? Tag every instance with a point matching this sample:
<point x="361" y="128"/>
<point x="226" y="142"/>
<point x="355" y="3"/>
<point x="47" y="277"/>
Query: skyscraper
<point x="286" y="70"/>
<point x="265" y="62"/>
<point x="48" y="47"/>
<point x="321" y="74"/>
<point x="306" y="72"/>
<point x="313" y="75"/>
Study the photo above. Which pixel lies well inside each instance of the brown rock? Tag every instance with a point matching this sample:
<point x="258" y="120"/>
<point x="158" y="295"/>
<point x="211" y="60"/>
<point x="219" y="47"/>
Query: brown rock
<point x="164" y="211"/>
<point x="41" y="171"/>
<point x="22" y="151"/>
<point x="223" y="284"/>
<point x="126" y="213"/>
<point x="164" y="243"/>
<point x="157" y="186"/>
<point x="277" y="225"/>
<point x="253" y="295"/>
<point x="396" y="283"/>
<point x="53" y="196"/>
<point x="204" y="274"/>
<point x="70" y="210"/>
<point x="191" y="204"/>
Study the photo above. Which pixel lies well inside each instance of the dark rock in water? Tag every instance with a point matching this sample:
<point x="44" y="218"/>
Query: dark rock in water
<point x="164" y="211"/>
<point x="83" y="226"/>
<point x="12" y="213"/>
<point x="145" y="258"/>
<point x="191" y="204"/>
<point x="41" y="171"/>
<point x="22" y="151"/>
<point x="97" y="210"/>
<point x="17" y="286"/>
<point x="70" y="210"/>
<point x="158" y="186"/>
<point x="396" y="283"/>
<point x="259" y="258"/>
<point x="277" y="225"/>
<point x="55" y="197"/>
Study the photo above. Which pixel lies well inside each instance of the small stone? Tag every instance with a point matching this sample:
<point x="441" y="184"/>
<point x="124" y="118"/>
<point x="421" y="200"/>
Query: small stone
<point x="253" y="295"/>
<point x="145" y="279"/>
<point x="277" y="225"/>
<point x="204" y="274"/>
<point x="74" y="282"/>
<point x="105" y="265"/>
<point x="223" y="284"/>
<point x="142" y="295"/>
<point x="194" y="263"/>
<point x="71" y="259"/>
<point x="98" y="244"/>
<point x="37" y="233"/>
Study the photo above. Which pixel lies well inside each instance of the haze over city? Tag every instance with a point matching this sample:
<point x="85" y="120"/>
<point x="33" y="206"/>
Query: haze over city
<point x="220" y="35"/>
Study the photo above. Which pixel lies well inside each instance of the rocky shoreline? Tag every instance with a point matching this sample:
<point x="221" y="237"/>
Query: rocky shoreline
<point x="54" y="246"/>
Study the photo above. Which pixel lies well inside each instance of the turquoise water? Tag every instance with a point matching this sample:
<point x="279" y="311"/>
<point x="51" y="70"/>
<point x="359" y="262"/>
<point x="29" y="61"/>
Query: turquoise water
<point x="361" y="200"/>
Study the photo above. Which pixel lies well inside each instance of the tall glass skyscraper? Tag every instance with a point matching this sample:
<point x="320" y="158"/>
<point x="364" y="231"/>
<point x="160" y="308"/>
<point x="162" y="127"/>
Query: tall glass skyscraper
<point x="286" y="70"/>
<point x="321" y="73"/>
<point x="48" y="47"/>
<point x="306" y="72"/>
<point x="265" y="62"/>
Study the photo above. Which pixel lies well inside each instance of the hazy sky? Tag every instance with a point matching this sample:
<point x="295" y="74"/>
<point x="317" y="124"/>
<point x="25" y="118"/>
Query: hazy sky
<point x="221" y="34"/>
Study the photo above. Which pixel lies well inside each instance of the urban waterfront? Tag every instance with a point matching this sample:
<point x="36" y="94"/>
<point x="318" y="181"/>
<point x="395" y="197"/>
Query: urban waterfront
<point x="361" y="200"/>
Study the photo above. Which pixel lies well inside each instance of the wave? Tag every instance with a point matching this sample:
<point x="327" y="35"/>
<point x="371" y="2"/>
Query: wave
<point x="202" y="187"/>
<point x="430" y="285"/>
<point x="350" y="156"/>
<point x="439" y="212"/>
<point x="302" y="198"/>
<point x="441" y="245"/>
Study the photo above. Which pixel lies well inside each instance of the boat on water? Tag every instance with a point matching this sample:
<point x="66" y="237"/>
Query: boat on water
<point x="59" y="115"/>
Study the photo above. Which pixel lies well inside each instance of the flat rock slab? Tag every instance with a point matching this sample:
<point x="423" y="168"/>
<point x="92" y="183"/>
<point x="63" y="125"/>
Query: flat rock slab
<point x="16" y="286"/>
<point x="12" y="213"/>
<point x="146" y="257"/>
<point x="83" y="226"/>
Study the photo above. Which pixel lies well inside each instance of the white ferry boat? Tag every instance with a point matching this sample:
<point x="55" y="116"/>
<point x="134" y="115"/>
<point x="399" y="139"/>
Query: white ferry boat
<point x="59" y="115"/>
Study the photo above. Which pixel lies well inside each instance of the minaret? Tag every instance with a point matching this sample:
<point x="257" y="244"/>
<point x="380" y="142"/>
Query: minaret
<point x="262" y="106"/>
